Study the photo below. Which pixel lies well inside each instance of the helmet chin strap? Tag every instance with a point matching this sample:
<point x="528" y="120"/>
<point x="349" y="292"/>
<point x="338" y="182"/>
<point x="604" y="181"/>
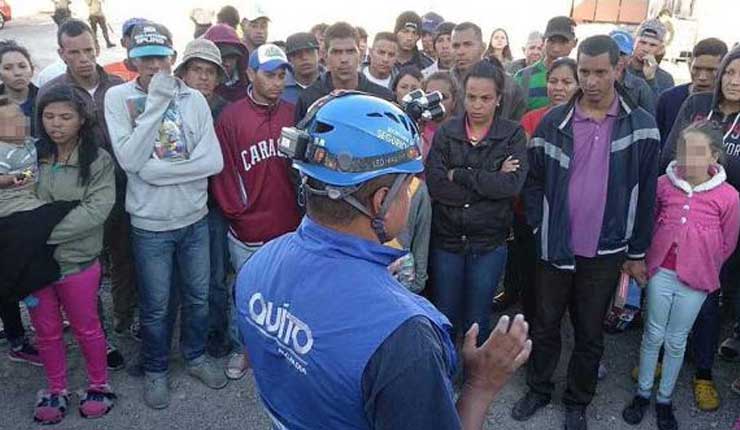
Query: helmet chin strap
<point x="377" y="221"/>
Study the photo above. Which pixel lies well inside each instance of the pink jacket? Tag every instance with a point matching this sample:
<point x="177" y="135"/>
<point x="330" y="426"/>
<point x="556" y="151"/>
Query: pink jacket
<point x="703" y="222"/>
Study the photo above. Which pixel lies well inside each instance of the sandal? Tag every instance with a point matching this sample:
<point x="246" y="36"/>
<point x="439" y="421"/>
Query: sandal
<point x="96" y="402"/>
<point x="50" y="407"/>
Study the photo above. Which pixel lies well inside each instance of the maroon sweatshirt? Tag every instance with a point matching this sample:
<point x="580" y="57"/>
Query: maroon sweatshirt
<point x="254" y="190"/>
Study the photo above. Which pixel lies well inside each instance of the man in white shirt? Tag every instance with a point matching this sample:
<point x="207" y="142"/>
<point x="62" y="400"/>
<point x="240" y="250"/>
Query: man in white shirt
<point x="383" y="56"/>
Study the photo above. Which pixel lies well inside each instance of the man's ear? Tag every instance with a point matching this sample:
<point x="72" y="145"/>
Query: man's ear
<point x="378" y="198"/>
<point x="251" y="74"/>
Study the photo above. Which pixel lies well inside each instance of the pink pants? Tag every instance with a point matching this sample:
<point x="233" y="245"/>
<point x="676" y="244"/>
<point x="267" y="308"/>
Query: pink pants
<point x="78" y="294"/>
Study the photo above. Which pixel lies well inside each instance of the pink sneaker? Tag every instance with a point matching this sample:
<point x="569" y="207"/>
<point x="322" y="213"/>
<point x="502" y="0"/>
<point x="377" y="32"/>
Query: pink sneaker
<point x="97" y="402"/>
<point x="25" y="354"/>
<point x="50" y="408"/>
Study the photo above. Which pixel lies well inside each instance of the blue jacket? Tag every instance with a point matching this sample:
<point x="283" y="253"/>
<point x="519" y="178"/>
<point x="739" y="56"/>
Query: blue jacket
<point x="633" y="174"/>
<point x="312" y="308"/>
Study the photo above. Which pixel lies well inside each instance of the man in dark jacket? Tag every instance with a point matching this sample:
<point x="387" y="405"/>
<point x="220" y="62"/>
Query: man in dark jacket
<point x="649" y="43"/>
<point x="636" y="88"/>
<point x="342" y="62"/>
<point x="302" y="50"/>
<point x="408" y="32"/>
<point x="723" y="108"/>
<point x="233" y="55"/>
<point x="589" y="198"/>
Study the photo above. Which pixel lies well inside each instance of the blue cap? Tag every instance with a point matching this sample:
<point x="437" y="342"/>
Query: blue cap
<point x="430" y="21"/>
<point x="624" y="40"/>
<point x="150" y="40"/>
<point x="129" y="25"/>
<point x="269" y="58"/>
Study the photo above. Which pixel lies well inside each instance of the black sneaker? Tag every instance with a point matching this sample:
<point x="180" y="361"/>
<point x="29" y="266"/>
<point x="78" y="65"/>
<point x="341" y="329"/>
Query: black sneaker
<point x="526" y="407"/>
<point x="635" y="411"/>
<point x="575" y="418"/>
<point x="664" y="417"/>
<point x="115" y="359"/>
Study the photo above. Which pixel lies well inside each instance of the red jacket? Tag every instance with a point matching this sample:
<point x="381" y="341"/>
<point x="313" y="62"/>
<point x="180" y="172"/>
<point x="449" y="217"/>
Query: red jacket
<point x="254" y="190"/>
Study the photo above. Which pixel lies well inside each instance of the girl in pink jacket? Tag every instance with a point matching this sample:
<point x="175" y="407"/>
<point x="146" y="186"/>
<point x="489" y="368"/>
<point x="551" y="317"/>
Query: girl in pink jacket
<point x="696" y="230"/>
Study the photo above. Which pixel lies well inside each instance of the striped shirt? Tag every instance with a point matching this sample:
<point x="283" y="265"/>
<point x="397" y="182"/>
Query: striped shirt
<point x="533" y="80"/>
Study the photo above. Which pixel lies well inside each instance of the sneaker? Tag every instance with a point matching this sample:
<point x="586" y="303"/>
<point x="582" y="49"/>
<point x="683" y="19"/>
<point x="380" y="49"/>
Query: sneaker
<point x="658" y="372"/>
<point x="50" y="407"/>
<point x="156" y="390"/>
<point x="237" y="366"/>
<point x="664" y="417"/>
<point x="730" y="349"/>
<point x="25" y="353"/>
<point x="97" y="402"/>
<point x="635" y="411"/>
<point x="208" y="374"/>
<point x="217" y="347"/>
<point x="575" y="418"/>
<point x="114" y="358"/>
<point x="526" y="407"/>
<point x="705" y="395"/>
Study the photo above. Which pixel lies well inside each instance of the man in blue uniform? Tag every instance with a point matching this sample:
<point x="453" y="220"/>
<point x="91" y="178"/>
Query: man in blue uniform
<point x="335" y="341"/>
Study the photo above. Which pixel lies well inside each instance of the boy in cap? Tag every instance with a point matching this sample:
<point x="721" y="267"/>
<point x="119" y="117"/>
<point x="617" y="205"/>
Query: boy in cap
<point x="649" y="43"/>
<point x="163" y="137"/>
<point x="255" y="27"/>
<point x="302" y="50"/>
<point x="233" y="55"/>
<point x="408" y="32"/>
<point x="429" y="23"/>
<point x="255" y="190"/>
<point x="560" y="39"/>
<point x="636" y="88"/>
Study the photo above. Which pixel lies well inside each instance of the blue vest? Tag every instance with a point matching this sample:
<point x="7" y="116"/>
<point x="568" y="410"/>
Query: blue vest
<point x="313" y="306"/>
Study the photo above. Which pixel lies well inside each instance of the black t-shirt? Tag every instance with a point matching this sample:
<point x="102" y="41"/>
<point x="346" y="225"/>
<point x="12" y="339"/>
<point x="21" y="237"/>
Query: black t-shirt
<point x="406" y="385"/>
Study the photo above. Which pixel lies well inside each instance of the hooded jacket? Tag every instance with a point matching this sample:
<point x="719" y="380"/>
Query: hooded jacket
<point x="706" y="106"/>
<point x="474" y="211"/>
<point x="221" y="35"/>
<point x="254" y="190"/>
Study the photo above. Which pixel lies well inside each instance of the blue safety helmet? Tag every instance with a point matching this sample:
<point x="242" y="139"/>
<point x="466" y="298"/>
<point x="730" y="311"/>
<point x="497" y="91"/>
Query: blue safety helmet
<point x="358" y="137"/>
<point x="624" y="40"/>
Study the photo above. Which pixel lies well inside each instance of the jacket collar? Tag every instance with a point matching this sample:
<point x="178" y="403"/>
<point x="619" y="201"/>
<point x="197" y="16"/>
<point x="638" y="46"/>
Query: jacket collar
<point x="362" y="82"/>
<point x="331" y="243"/>
<point x="718" y="178"/>
<point x="625" y="108"/>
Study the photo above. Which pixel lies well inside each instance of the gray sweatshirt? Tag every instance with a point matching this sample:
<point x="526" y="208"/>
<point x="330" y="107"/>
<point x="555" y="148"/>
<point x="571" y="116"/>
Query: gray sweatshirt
<point x="166" y="144"/>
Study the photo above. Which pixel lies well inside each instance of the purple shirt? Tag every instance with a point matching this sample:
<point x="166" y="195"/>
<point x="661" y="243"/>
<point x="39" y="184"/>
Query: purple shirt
<point x="589" y="177"/>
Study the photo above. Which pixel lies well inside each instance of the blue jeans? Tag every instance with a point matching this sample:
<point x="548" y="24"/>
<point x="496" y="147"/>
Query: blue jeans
<point x="239" y="253"/>
<point x="464" y="287"/>
<point x="156" y="255"/>
<point x="218" y="292"/>
<point x="672" y="308"/>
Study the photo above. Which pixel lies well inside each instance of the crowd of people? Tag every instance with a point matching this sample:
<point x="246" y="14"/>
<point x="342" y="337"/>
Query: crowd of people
<point x="554" y="175"/>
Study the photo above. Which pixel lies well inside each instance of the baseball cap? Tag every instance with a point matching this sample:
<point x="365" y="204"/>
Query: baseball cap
<point x="408" y="19"/>
<point x="653" y="29"/>
<point x="150" y="39"/>
<point x="268" y="58"/>
<point x="256" y="11"/>
<point x="442" y="29"/>
<point x="561" y="26"/>
<point x="129" y="25"/>
<point x="300" y="41"/>
<point x="430" y="21"/>
<point x="624" y="40"/>
<point x="201" y="49"/>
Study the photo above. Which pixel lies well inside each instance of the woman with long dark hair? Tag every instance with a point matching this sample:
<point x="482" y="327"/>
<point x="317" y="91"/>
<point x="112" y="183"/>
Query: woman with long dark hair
<point x="498" y="46"/>
<point x="72" y="167"/>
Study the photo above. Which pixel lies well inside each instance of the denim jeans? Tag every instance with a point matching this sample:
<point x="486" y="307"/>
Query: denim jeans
<point x="672" y="308"/>
<point x="218" y="291"/>
<point x="156" y="255"/>
<point x="464" y="287"/>
<point x="239" y="253"/>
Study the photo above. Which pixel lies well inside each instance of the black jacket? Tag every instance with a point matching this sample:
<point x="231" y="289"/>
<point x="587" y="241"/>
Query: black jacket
<point x="474" y="212"/>
<point x="323" y="86"/>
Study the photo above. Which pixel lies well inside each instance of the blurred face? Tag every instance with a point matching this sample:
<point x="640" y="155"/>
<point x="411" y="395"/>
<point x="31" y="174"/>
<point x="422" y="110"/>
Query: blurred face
<point x="731" y="82"/>
<point x="78" y="53"/>
<point x="267" y="87"/>
<point x="694" y="156"/>
<point x="61" y="122"/>
<point x="202" y="76"/>
<point x="499" y="40"/>
<point x="558" y="46"/>
<point x="230" y="64"/>
<point x="150" y="66"/>
<point x="645" y="46"/>
<point x="561" y="85"/>
<point x="382" y="58"/>
<point x="427" y="43"/>
<point x="596" y="76"/>
<point x="256" y="31"/>
<point x="533" y="51"/>
<point x="305" y="62"/>
<point x="448" y="101"/>
<point x="405" y="85"/>
<point x="15" y="71"/>
<point x="443" y="49"/>
<point x="704" y="72"/>
<point x="343" y="58"/>
<point x="407" y="38"/>
<point x="467" y="48"/>
<point x="481" y="99"/>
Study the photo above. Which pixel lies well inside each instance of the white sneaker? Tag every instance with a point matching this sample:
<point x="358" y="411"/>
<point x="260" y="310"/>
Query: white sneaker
<point x="237" y="366"/>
